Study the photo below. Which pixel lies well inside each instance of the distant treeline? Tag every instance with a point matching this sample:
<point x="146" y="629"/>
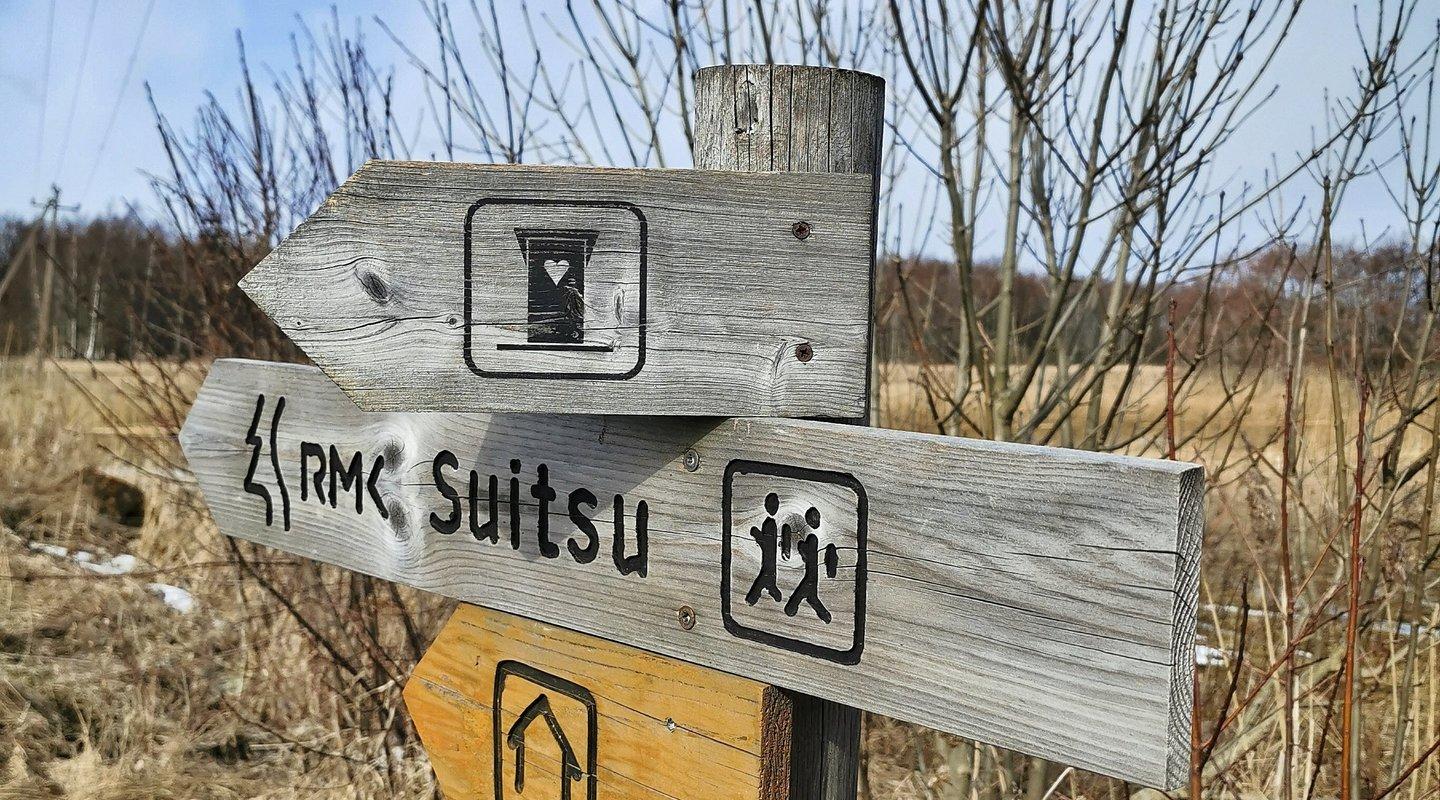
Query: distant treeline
<point x="120" y="288"/>
<point x="1381" y="297"/>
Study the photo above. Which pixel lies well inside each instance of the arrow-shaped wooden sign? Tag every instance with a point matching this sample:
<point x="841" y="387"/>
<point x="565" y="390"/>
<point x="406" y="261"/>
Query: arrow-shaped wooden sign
<point x="913" y="575"/>
<point x="512" y="708"/>
<point x="461" y="287"/>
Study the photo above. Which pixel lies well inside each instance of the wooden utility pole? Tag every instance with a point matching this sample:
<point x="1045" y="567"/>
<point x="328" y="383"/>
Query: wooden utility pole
<point x="45" y="299"/>
<point x="780" y="118"/>
<point x="47" y="283"/>
<point x="73" y="282"/>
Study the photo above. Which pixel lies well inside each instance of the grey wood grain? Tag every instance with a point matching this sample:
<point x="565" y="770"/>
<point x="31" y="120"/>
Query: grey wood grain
<point x="788" y="118"/>
<point x="373" y="287"/>
<point x="750" y="117"/>
<point x="1034" y="598"/>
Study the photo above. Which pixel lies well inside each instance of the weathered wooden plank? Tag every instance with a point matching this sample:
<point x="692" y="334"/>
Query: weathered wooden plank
<point x="1034" y="598"/>
<point x="425" y="286"/>
<point x="749" y="110"/>
<point x="636" y="726"/>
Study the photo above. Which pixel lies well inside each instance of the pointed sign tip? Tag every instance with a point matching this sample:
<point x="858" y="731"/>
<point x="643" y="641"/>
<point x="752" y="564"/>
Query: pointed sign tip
<point x="191" y="431"/>
<point x="186" y="435"/>
<point x="256" y="283"/>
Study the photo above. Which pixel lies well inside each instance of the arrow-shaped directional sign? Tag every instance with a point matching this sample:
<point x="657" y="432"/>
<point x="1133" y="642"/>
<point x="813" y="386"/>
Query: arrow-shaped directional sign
<point x="1034" y="598"/>
<point x="509" y="708"/>
<point x="425" y="286"/>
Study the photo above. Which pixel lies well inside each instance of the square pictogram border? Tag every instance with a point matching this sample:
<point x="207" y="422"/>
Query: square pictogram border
<point x="469" y="289"/>
<point x="554" y="683"/>
<point x="862" y="510"/>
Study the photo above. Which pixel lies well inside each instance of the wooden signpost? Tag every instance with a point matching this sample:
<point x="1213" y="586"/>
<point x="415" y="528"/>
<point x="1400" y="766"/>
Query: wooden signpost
<point x="1030" y="597"/>
<point x="1038" y="599"/>
<point x="424" y="287"/>
<point x="510" y="708"/>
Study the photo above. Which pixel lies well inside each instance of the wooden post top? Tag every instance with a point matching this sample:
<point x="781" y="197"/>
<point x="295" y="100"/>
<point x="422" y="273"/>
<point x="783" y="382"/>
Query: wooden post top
<point x="784" y="118"/>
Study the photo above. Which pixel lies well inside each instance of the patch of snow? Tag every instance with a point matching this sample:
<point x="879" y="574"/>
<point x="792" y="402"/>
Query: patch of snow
<point x="50" y="549"/>
<point x="1229" y="609"/>
<point x="174" y="596"/>
<point x="1207" y="656"/>
<point x="1411" y="629"/>
<point x="123" y="564"/>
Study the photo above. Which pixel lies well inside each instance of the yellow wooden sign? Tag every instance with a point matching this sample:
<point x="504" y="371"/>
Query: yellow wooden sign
<point x="512" y="709"/>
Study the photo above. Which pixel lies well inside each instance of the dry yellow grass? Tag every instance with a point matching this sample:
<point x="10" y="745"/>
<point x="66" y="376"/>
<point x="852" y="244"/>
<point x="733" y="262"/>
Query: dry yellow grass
<point x="107" y="692"/>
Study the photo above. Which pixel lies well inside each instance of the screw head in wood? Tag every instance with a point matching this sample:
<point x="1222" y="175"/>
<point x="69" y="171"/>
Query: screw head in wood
<point x="686" y="615"/>
<point x="692" y="460"/>
<point x="801" y="229"/>
<point x="804" y="352"/>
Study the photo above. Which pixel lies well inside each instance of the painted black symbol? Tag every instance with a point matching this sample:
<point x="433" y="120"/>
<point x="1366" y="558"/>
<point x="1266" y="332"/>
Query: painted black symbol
<point x="584" y="297"/>
<point x="773" y="542"/>
<point x="797" y="542"/>
<point x="556" y="260"/>
<point x="252" y="438"/>
<point x="515" y="739"/>
<point x="514" y="676"/>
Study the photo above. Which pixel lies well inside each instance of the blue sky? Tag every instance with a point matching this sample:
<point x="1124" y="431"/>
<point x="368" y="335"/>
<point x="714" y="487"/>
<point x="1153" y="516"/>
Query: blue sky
<point x="57" y="126"/>
<point x="61" y="109"/>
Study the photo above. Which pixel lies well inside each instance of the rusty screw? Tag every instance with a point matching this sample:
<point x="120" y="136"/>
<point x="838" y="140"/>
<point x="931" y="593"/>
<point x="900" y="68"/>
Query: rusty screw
<point x="801" y="229"/>
<point x="692" y="460"/>
<point x="804" y="352"/>
<point x="686" y="615"/>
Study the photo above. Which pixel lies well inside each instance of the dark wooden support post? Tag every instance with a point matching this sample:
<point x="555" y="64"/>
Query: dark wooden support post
<point x="759" y="118"/>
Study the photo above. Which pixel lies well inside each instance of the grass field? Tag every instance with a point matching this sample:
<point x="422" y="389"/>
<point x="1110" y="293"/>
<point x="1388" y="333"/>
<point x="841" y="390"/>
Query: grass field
<point x="143" y="655"/>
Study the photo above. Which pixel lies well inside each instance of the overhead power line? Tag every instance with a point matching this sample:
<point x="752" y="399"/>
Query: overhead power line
<point x="75" y="96"/>
<point x="44" y="95"/>
<point x="119" y="99"/>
